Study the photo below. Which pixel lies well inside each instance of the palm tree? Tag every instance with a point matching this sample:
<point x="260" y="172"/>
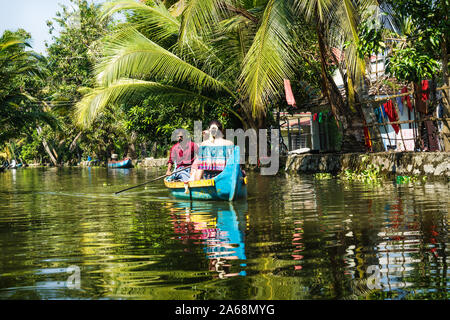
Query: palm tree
<point x="211" y="51"/>
<point x="336" y="24"/>
<point x="17" y="109"/>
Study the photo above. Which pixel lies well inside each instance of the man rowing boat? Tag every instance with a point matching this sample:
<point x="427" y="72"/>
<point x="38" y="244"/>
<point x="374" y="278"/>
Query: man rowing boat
<point x="182" y="155"/>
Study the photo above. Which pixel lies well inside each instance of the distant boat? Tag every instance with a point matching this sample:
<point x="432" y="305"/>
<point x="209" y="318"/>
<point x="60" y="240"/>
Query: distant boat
<point x="229" y="185"/>
<point x="126" y="163"/>
<point x="300" y="151"/>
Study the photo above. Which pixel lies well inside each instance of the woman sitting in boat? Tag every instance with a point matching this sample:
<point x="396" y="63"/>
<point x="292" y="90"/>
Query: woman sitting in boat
<point x="213" y="153"/>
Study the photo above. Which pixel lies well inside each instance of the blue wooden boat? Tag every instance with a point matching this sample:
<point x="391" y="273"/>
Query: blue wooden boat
<point x="229" y="185"/>
<point x="221" y="228"/>
<point x="126" y="163"/>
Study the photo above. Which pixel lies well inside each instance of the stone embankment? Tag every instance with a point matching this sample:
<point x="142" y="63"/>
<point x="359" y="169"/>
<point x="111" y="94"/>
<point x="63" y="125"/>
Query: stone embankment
<point x="145" y="163"/>
<point x="151" y="162"/>
<point x="431" y="164"/>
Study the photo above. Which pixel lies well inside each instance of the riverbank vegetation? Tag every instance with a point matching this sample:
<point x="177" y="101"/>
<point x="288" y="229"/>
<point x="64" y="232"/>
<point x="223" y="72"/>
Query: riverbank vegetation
<point x="119" y="77"/>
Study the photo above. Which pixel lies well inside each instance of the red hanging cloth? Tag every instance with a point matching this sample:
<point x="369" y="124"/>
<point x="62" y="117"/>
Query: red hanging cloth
<point x="407" y="98"/>
<point x="425" y="90"/>
<point x="421" y="96"/>
<point x="367" y="139"/>
<point x="392" y="115"/>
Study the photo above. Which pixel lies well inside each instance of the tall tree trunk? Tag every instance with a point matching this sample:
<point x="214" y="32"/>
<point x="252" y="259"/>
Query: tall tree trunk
<point x="131" y="152"/>
<point x="353" y="134"/>
<point x="335" y="100"/>
<point x="445" y="134"/>
<point x="47" y="148"/>
<point x="74" y="142"/>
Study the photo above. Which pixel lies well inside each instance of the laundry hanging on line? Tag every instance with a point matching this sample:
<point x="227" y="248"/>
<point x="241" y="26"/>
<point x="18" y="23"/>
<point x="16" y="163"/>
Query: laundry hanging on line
<point x="399" y="104"/>
<point x="380" y="114"/>
<point x="392" y="114"/>
<point x="423" y="95"/>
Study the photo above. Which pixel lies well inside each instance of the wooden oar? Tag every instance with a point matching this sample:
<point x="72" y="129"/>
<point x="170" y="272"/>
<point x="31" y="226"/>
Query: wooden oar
<point x="142" y="184"/>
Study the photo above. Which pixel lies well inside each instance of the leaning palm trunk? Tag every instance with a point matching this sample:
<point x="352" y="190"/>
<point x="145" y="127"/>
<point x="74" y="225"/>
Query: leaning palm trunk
<point x="74" y="142"/>
<point x="131" y="152"/>
<point x="334" y="98"/>
<point x="53" y="157"/>
<point x="353" y="136"/>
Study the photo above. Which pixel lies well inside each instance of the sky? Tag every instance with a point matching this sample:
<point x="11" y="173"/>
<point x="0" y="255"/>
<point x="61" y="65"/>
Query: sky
<point x="31" y="15"/>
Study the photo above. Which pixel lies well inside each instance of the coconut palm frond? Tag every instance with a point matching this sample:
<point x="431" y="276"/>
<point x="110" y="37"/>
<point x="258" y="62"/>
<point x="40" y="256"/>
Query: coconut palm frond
<point x="268" y="60"/>
<point x="177" y="8"/>
<point x="130" y="91"/>
<point x="11" y="42"/>
<point x="153" y="18"/>
<point x="390" y="20"/>
<point x="349" y="14"/>
<point x="198" y="18"/>
<point x="314" y="9"/>
<point x="233" y="42"/>
<point x="129" y="54"/>
<point x="202" y="54"/>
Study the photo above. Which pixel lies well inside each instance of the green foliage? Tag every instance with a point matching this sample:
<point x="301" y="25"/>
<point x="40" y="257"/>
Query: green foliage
<point x="107" y="136"/>
<point x="154" y="120"/>
<point x="71" y="59"/>
<point x="20" y="69"/>
<point x="411" y="65"/>
<point x="410" y="179"/>
<point x="73" y="52"/>
<point x="425" y="32"/>
<point x="416" y="46"/>
<point x="430" y="23"/>
<point x="370" y="174"/>
<point x="370" y="40"/>
<point x="201" y="56"/>
<point x="41" y="92"/>
<point x="32" y="148"/>
<point x="323" y="176"/>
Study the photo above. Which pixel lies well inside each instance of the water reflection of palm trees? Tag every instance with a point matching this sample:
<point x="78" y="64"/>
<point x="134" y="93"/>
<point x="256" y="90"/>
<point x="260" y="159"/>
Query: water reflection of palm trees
<point x="219" y="227"/>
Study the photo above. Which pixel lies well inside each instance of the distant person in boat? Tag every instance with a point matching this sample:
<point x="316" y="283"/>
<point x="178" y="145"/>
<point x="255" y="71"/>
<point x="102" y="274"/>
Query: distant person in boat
<point x="213" y="137"/>
<point x="182" y="154"/>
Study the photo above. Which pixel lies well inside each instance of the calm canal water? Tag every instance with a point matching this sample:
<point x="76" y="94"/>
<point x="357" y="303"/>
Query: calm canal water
<point x="294" y="238"/>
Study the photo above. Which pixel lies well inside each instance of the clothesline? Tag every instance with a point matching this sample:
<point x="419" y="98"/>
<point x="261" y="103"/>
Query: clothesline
<point x="381" y="138"/>
<point x="402" y="122"/>
<point x="394" y="96"/>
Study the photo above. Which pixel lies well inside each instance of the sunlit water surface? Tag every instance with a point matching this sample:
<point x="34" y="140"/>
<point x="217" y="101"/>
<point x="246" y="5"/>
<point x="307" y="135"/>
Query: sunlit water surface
<point x="64" y="234"/>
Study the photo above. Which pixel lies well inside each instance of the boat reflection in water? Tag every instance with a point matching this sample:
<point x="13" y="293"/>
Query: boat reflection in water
<point x="219" y="227"/>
